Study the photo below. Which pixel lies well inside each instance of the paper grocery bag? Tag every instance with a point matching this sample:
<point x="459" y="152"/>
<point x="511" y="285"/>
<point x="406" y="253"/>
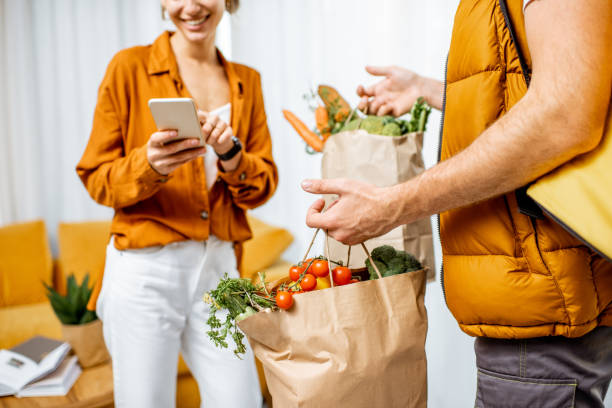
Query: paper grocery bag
<point x="358" y="345"/>
<point x="382" y="161"/>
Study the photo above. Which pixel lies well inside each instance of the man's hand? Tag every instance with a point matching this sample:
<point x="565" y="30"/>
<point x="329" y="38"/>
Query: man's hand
<point x="165" y="153"/>
<point x="361" y="212"/>
<point x="396" y="94"/>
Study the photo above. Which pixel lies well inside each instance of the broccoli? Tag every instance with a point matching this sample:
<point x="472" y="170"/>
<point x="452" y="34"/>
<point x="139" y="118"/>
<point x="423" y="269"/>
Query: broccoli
<point x="352" y="125"/>
<point x="391" y="262"/>
<point x="372" y="124"/>
<point x="391" y="129"/>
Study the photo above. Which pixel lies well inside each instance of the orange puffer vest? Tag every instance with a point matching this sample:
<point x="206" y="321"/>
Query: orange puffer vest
<point x="507" y="275"/>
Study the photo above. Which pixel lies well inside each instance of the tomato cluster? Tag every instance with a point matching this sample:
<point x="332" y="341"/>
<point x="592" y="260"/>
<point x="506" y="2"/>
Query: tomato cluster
<point x="312" y="274"/>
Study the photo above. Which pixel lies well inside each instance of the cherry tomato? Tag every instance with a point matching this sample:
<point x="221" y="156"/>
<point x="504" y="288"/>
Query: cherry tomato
<point x="320" y="268"/>
<point x="295" y="272"/>
<point x="341" y="275"/>
<point x="306" y="263"/>
<point x="308" y="282"/>
<point x="284" y="299"/>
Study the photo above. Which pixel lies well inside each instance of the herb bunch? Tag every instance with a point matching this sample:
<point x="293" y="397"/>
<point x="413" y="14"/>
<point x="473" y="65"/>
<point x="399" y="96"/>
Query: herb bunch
<point x="240" y="298"/>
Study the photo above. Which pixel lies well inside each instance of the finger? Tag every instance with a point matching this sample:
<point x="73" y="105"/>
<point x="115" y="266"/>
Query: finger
<point x="375" y="104"/>
<point x="327" y="186"/>
<point x="361" y="91"/>
<point x="384" y="110"/>
<point x="202" y="116"/>
<point x="162" y="137"/>
<point x="217" y="131"/>
<point x="226" y="136"/>
<point x="314" y="217"/>
<point x="181" y="156"/>
<point x="363" y="104"/>
<point x="179" y="145"/>
<point x="378" y="71"/>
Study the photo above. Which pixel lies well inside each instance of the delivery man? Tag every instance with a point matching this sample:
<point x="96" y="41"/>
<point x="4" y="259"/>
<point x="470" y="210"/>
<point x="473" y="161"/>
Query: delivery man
<point x="537" y="299"/>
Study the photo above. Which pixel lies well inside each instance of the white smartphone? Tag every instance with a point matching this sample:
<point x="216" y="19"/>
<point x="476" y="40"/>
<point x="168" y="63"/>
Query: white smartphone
<point x="179" y="114"/>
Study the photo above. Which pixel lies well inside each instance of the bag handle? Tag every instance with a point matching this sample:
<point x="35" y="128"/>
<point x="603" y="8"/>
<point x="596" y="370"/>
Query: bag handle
<point x="331" y="280"/>
<point x="526" y="204"/>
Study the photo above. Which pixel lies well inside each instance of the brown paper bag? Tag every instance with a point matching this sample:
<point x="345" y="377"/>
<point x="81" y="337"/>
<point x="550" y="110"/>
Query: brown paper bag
<point x="382" y="161"/>
<point x="358" y="345"/>
<point x="87" y="342"/>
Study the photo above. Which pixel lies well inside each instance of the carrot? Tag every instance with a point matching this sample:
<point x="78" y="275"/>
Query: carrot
<point x="308" y="135"/>
<point x="342" y="114"/>
<point x="322" y="119"/>
<point x="332" y="99"/>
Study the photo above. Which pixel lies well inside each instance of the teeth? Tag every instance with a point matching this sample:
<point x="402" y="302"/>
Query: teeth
<point x="196" y="22"/>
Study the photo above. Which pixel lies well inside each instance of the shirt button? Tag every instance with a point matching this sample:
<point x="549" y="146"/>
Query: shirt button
<point x="204" y="215"/>
<point x="242" y="176"/>
<point x="163" y="179"/>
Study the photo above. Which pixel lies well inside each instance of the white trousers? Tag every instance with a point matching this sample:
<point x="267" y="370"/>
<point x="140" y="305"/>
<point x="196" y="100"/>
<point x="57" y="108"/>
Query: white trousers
<point x="151" y="306"/>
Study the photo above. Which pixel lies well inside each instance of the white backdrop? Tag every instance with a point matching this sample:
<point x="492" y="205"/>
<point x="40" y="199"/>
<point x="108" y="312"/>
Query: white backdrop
<point x="54" y="53"/>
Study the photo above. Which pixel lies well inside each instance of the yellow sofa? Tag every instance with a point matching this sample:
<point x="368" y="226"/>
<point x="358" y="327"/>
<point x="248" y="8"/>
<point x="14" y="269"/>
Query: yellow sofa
<point x="26" y="262"/>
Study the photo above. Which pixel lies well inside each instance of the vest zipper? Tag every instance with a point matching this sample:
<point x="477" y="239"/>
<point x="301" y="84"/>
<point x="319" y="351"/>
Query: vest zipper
<point x="439" y="157"/>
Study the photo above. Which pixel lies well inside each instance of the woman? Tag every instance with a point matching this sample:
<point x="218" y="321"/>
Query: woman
<point x="179" y="208"/>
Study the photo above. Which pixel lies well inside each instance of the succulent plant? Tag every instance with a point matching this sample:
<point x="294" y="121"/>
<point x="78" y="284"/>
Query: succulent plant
<point x="72" y="308"/>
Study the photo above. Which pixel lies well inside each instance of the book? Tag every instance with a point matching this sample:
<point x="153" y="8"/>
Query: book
<point x="29" y="361"/>
<point x="57" y="383"/>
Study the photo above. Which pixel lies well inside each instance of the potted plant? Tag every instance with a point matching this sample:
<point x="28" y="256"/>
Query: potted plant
<point x="80" y="327"/>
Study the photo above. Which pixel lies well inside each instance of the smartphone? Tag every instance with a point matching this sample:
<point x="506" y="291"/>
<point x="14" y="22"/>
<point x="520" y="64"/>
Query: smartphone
<point x="179" y="114"/>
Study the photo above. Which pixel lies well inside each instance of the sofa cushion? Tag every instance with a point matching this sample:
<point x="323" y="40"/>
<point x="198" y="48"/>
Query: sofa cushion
<point x="265" y="248"/>
<point x="25" y="262"/>
<point x="82" y="250"/>
<point x="19" y="323"/>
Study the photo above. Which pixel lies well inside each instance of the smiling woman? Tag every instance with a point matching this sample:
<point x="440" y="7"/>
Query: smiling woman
<point x="179" y="207"/>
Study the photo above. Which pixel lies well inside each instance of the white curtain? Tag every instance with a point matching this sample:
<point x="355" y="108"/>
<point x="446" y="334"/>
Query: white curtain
<point x="54" y="55"/>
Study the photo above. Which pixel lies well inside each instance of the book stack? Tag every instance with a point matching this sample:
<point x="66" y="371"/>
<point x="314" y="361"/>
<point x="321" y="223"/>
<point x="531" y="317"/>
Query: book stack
<point x="38" y="367"/>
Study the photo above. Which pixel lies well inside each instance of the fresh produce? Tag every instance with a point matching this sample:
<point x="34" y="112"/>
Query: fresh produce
<point x="391" y="262"/>
<point x="284" y="299"/>
<point x="312" y="139"/>
<point x="295" y="272"/>
<point x="241" y="298"/>
<point x="309" y="282"/>
<point x="320" y="268"/>
<point x="335" y="115"/>
<point x="341" y="275"/>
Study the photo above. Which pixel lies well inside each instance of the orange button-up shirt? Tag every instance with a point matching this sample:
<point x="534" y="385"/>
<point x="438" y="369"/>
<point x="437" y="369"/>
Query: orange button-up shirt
<point x="151" y="209"/>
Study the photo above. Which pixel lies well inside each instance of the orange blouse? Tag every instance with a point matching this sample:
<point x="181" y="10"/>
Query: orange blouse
<point x="151" y="209"/>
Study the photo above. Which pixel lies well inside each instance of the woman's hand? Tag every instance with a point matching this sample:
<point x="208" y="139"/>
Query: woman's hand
<point x="218" y="135"/>
<point x="396" y="94"/>
<point x="216" y="132"/>
<point x="165" y="154"/>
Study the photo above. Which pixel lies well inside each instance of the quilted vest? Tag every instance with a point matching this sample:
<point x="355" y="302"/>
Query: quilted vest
<point x="505" y="274"/>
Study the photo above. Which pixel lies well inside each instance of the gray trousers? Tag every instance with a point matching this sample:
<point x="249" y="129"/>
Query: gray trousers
<point x="544" y="372"/>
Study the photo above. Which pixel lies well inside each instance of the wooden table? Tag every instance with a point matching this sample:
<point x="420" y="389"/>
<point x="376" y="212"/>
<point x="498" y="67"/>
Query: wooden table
<point x="93" y="389"/>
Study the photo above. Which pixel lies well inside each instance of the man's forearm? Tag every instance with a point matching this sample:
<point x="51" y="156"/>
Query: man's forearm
<point x="432" y="91"/>
<point x="526" y="143"/>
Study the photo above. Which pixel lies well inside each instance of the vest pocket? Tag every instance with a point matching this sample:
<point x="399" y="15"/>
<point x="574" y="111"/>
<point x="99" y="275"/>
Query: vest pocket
<point x="507" y="391"/>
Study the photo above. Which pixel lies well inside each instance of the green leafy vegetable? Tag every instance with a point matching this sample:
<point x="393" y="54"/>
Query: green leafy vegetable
<point x="390" y="262"/>
<point x="240" y="298"/>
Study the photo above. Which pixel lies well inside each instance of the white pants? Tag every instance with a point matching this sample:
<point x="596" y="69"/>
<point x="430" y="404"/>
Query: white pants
<point x="151" y="306"/>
